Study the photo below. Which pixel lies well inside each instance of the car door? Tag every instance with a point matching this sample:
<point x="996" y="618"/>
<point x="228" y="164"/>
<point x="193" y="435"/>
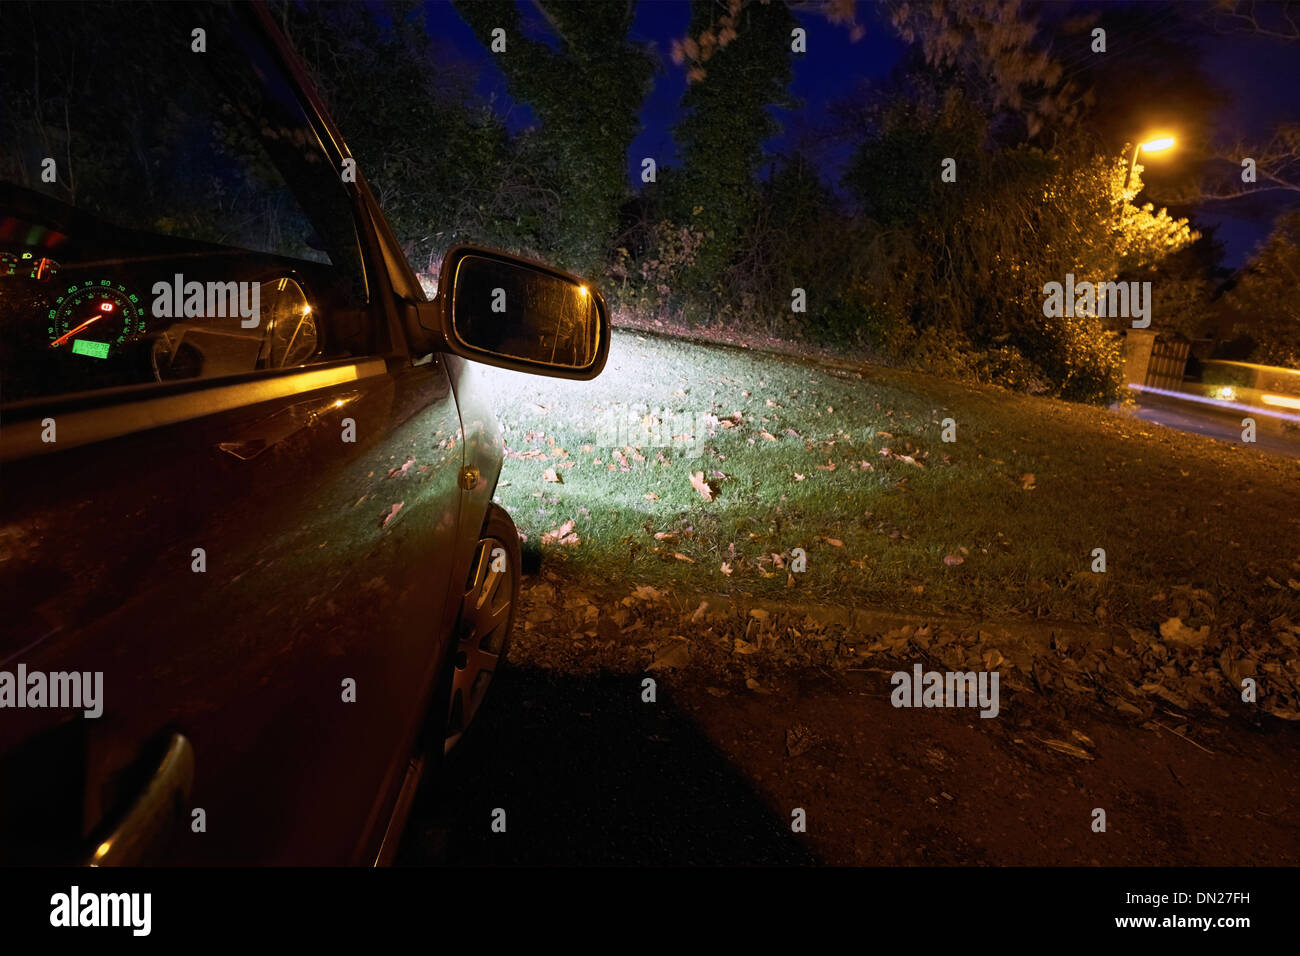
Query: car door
<point x="279" y="610"/>
<point x="253" y="569"/>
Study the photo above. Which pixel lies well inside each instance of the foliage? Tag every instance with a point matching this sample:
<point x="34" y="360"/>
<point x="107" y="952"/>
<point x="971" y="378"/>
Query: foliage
<point x="968" y="260"/>
<point x="1267" y="292"/>
<point x="893" y="259"/>
<point x="645" y="287"/>
<point x="726" y="120"/>
<point x="586" y="90"/>
<point x="437" y="156"/>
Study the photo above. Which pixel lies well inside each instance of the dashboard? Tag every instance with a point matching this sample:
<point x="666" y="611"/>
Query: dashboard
<point x="85" y="306"/>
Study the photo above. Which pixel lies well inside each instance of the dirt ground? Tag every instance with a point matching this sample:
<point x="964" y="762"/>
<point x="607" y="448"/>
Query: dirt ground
<point x="713" y="770"/>
<point x="914" y="786"/>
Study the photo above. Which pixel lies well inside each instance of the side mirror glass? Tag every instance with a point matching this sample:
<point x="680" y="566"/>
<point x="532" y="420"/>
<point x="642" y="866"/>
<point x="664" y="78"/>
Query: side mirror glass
<point x="518" y="314"/>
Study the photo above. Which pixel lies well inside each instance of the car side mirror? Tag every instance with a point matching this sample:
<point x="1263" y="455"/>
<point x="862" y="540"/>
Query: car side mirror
<point x="510" y="312"/>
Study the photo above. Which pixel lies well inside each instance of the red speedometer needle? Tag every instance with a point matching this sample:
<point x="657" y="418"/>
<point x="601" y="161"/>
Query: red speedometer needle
<point x="67" y="335"/>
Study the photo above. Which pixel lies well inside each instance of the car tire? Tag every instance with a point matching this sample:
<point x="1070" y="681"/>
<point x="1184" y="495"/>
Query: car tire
<point x="488" y="607"/>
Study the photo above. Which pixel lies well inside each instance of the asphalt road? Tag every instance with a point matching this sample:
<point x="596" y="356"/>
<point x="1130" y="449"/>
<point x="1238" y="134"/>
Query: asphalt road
<point x="1220" y="425"/>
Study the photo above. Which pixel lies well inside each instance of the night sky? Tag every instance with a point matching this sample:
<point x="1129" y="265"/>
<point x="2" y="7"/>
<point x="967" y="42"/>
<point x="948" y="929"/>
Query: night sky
<point x="1259" y="76"/>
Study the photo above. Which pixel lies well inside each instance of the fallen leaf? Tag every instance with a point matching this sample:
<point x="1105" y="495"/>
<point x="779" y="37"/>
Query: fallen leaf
<point x="1176" y="632"/>
<point x="681" y="557"/>
<point x="562" y="535"/>
<point x="1027" y="481"/>
<point x="952" y="560"/>
<point x="674" y="655"/>
<point x="550" y="475"/>
<point x="1062" y="747"/>
<point x="651" y="496"/>
<point x="403" y="470"/>
<point x="799" y="739"/>
<point x="702" y="486"/>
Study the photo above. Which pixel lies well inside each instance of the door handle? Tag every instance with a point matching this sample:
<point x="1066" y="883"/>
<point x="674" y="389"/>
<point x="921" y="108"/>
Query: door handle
<point x="275" y="428"/>
<point x="142" y="831"/>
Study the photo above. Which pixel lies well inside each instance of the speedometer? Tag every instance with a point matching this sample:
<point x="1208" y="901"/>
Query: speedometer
<point x="27" y="265"/>
<point x="94" y="317"/>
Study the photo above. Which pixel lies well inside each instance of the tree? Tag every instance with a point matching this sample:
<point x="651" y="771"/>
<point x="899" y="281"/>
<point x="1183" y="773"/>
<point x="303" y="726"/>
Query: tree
<point x="957" y="270"/>
<point x="579" y="149"/>
<point x="438" y="158"/>
<point x="1266" y="292"/>
<point x="726" y="121"/>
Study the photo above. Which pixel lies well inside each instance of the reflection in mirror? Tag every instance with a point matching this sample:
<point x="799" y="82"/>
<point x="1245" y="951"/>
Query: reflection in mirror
<point x="211" y="346"/>
<point x="523" y="312"/>
<point x="291" y="337"/>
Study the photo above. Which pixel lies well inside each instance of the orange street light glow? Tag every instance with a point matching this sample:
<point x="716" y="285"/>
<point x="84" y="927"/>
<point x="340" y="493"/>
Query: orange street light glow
<point x="1157" y="145"/>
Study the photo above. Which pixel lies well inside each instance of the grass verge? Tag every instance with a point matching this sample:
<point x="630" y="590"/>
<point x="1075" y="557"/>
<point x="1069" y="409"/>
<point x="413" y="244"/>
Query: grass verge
<point x="848" y="465"/>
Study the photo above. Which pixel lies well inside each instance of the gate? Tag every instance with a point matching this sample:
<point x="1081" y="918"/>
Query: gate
<point x="1168" y="362"/>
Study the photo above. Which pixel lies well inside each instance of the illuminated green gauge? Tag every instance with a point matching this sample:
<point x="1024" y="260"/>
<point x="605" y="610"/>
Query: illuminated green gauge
<point x="27" y="265"/>
<point x="95" y="317"/>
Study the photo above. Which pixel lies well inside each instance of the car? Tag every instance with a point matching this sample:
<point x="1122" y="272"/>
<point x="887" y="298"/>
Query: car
<point x="254" y="583"/>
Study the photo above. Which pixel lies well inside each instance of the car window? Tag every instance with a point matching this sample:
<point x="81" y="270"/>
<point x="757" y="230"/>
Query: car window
<point x="166" y="210"/>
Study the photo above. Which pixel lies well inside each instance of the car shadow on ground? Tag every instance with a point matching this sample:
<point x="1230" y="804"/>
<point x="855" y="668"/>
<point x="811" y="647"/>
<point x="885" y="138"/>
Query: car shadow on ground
<point x="589" y="774"/>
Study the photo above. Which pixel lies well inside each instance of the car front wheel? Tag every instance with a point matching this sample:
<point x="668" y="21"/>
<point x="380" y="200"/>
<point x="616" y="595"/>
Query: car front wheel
<point x="487" y="612"/>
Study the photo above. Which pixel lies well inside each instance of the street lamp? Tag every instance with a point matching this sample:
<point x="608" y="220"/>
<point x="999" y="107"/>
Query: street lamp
<point x="1157" y="145"/>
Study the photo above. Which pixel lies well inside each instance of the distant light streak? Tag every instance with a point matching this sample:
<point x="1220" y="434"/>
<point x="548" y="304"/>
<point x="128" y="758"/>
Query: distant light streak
<point x="1187" y="397"/>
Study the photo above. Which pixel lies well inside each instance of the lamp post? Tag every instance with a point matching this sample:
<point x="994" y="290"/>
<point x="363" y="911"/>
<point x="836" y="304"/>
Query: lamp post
<point x="1150" y="146"/>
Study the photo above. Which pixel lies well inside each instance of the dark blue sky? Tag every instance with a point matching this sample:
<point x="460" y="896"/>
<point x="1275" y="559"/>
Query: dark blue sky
<point x="1262" y="79"/>
<point x="1260" y="76"/>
